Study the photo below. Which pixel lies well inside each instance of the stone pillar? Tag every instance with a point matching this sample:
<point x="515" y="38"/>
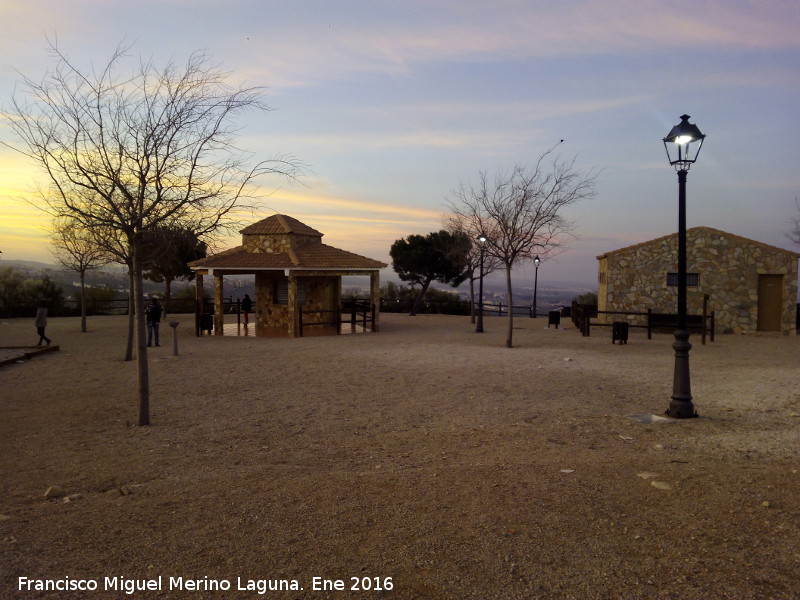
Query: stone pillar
<point x="375" y="295"/>
<point x="198" y="303"/>
<point x="337" y="302"/>
<point x="292" y="307"/>
<point x="219" y="311"/>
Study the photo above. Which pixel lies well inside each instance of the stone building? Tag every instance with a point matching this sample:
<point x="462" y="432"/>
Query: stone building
<point x="751" y="286"/>
<point x="293" y="271"/>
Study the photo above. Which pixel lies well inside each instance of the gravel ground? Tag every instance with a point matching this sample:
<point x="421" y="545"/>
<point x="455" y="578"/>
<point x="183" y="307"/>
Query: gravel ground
<point x="423" y="458"/>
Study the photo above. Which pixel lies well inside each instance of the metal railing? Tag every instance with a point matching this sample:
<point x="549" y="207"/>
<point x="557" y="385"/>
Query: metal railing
<point x="582" y="316"/>
<point x="357" y="311"/>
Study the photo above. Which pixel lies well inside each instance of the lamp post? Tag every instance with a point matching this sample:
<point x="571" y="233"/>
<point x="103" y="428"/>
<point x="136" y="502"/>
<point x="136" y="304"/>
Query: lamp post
<point x="482" y="239"/>
<point x="683" y="145"/>
<point x="536" y="263"/>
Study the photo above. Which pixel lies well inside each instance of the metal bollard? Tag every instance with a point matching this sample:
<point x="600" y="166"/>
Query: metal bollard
<point x="174" y="325"/>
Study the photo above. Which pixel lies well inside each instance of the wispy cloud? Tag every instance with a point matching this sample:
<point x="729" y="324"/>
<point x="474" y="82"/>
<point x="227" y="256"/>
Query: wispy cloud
<point x="516" y="30"/>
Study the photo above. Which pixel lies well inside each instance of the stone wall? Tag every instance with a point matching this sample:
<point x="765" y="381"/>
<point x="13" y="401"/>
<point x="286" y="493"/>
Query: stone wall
<point x="635" y="278"/>
<point x="276" y="243"/>
<point x="322" y="295"/>
<point x="273" y="320"/>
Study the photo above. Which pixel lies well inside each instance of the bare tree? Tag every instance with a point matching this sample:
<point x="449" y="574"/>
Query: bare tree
<point x="116" y="245"/>
<point x="455" y="224"/>
<point x="520" y="212"/>
<point x="132" y="153"/>
<point x="794" y="233"/>
<point x="75" y="248"/>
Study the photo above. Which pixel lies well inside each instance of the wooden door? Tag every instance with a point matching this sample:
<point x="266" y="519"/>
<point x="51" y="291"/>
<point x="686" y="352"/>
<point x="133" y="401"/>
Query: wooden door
<point x="770" y="302"/>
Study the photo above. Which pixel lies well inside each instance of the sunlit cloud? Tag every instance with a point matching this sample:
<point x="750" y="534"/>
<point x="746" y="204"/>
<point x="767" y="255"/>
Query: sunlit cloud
<point x="355" y="224"/>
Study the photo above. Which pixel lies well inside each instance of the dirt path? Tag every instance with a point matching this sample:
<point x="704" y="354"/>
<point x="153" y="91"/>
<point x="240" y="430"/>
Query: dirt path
<point x="425" y="458"/>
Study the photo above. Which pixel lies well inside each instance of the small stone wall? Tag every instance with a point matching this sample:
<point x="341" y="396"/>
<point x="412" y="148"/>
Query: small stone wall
<point x="635" y="278"/>
<point x="272" y="320"/>
<point x="276" y="243"/>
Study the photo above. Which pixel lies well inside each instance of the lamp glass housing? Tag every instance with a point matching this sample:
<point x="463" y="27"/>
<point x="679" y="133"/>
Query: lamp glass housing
<point x="683" y="144"/>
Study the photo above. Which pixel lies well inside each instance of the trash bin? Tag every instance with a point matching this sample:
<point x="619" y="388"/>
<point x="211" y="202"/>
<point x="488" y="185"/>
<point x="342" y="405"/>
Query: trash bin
<point x="619" y="332"/>
<point x="554" y="318"/>
<point x="207" y="323"/>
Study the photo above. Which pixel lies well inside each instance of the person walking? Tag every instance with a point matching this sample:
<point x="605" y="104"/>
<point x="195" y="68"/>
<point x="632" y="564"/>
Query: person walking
<point x="152" y="315"/>
<point x="41" y="323"/>
<point x="247" y="307"/>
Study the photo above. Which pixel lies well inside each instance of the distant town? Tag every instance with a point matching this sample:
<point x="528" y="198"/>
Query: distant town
<point x="548" y="296"/>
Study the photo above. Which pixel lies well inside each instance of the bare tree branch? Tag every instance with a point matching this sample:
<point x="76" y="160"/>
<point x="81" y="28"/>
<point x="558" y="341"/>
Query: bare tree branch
<point x="521" y="211"/>
<point x="128" y="154"/>
<point x="794" y="233"/>
<point x="75" y="248"/>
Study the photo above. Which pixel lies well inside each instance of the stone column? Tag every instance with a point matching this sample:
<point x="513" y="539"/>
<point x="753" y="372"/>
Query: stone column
<point x="198" y="303"/>
<point x="292" y="307"/>
<point x="375" y="295"/>
<point x="219" y="312"/>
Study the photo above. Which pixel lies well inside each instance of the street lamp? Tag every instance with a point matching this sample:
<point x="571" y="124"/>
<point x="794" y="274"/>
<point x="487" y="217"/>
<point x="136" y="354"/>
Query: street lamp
<point x="482" y="239"/>
<point x="536" y="263"/>
<point x="683" y="145"/>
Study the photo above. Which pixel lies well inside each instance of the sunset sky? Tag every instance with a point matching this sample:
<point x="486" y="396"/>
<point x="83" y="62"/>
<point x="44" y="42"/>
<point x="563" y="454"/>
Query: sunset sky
<point x="393" y="103"/>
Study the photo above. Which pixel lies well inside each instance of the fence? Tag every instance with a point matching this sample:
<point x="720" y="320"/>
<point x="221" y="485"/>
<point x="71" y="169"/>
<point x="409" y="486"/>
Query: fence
<point x="72" y="308"/>
<point x="458" y="307"/>
<point x="357" y="311"/>
<point x="498" y="310"/>
<point x="582" y="315"/>
<point x="446" y="307"/>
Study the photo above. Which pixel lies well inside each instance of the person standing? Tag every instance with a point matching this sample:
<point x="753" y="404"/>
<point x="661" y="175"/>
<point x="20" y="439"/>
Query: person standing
<point x="152" y="315"/>
<point x="247" y="307"/>
<point x="41" y="323"/>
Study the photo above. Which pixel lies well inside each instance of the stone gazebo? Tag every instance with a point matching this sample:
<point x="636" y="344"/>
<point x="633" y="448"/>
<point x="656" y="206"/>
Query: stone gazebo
<point x="293" y="271"/>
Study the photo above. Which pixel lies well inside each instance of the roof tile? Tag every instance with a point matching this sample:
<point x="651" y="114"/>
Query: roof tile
<point x="279" y="225"/>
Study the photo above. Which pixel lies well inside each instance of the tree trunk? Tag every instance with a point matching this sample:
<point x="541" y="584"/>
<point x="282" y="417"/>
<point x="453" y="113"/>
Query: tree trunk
<point x="418" y="300"/>
<point x="509" y="341"/>
<point x="167" y="294"/>
<point x="83" y="301"/>
<point x="141" y="335"/>
<point x="131" y="316"/>
<point x="472" y="300"/>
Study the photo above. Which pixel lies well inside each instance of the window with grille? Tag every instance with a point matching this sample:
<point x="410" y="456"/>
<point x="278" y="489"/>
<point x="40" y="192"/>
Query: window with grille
<point x="282" y="291"/>
<point x="692" y="279"/>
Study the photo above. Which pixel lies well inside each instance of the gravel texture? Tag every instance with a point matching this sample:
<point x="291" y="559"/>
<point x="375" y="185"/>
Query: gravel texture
<point x="425" y="458"/>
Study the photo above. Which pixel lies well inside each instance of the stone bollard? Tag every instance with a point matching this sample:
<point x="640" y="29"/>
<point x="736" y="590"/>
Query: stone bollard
<point x="174" y="325"/>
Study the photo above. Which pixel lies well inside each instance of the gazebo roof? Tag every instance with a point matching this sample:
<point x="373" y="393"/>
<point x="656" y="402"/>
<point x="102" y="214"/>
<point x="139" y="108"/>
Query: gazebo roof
<point x="299" y="256"/>
<point x="317" y="256"/>
<point x="279" y="225"/>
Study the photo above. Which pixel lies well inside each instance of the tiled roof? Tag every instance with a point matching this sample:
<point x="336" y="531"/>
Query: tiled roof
<point x="279" y="225"/>
<point x="307" y="256"/>
<point x="239" y="258"/>
<point x="701" y="230"/>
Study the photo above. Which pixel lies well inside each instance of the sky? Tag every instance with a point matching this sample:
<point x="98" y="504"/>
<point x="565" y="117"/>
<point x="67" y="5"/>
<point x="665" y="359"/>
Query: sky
<point x="392" y="104"/>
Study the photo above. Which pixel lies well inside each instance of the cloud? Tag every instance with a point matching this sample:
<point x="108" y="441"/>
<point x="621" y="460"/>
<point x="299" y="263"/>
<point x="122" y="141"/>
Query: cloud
<point x="393" y="40"/>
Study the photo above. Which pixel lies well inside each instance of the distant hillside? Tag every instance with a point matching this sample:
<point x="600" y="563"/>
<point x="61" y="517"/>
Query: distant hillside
<point x="112" y="276"/>
<point x="116" y="278"/>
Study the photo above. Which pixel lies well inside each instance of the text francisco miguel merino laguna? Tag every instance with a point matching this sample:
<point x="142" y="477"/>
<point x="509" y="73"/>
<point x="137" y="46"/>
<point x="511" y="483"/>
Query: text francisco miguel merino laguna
<point x="206" y="584"/>
<point x="130" y="586"/>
